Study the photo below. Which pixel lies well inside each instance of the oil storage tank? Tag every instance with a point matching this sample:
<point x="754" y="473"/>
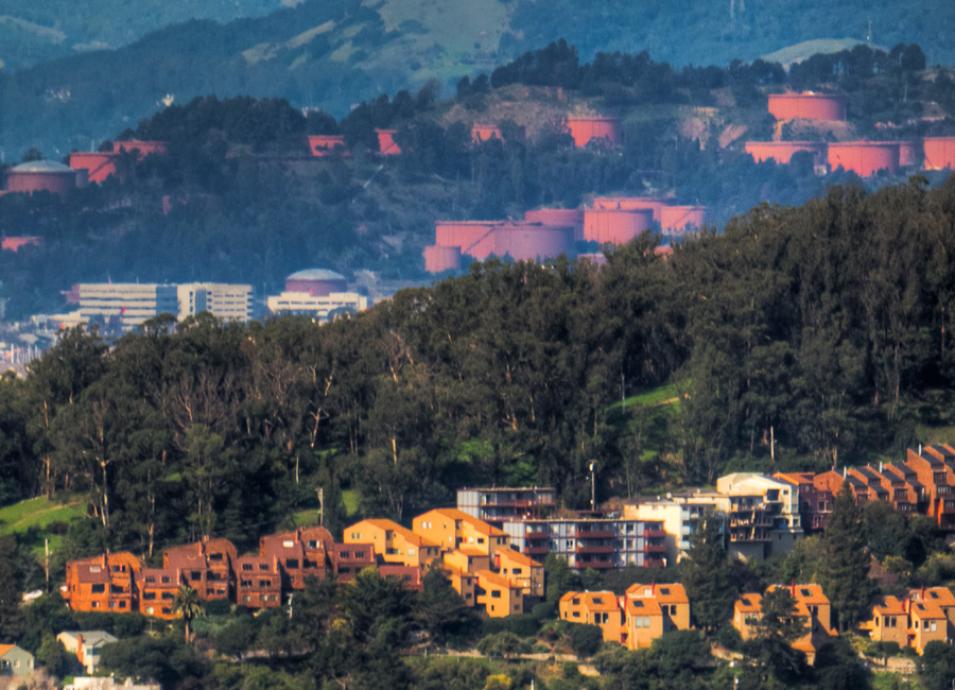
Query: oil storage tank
<point x="99" y="165"/>
<point x="939" y="153"/>
<point x="585" y="129"/>
<point x="630" y="203"/>
<point x="782" y="151"/>
<point x="564" y="217"/>
<point x="524" y="241"/>
<point x="616" y="226"/>
<point x="865" y="158"/>
<point x="438" y="259"/>
<point x="483" y="132"/>
<point x="42" y="176"/>
<point x="316" y="282"/>
<point x="472" y="237"/>
<point x="807" y="106"/>
<point x="386" y="142"/>
<point x="679" y="219"/>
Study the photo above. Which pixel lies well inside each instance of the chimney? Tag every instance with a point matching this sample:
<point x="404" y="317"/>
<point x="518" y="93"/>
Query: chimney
<point x="920" y="449"/>
<point x="844" y="471"/>
<point x="880" y="466"/>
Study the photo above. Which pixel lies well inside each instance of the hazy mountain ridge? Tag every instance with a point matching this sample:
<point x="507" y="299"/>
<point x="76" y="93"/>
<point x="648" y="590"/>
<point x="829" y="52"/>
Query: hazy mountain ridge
<point x="36" y="32"/>
<point x="332" y="54"/>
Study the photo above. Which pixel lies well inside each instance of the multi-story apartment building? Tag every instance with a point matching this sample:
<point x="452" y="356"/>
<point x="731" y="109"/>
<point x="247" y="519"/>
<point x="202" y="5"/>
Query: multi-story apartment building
<point x="393" y="543"/>
<point x="811" y="607"/>
<point x="602" y="609"/>
<point x="322" y="308"/>
<point x="934" y="468"/>
<point x="451" y="528"/>
<point x="497" y="504"/>
<point x="157" y="591"/>
<point x="680" y="515"/>
<point x="763" y="515"/>
<point x="131" y="303"/>
<point x="644" y="614"/>
<point x="924" y="616"/>
<point x="208" y="567"/>
<point x="588" y="542"/>
<point x="226" y="301"/>
<point x="258" y="582"/>
<point x="522" y="569"/>
<point x="301" y="553"/>
<point x="500" y="596"/>
<point x="103" y="584"/>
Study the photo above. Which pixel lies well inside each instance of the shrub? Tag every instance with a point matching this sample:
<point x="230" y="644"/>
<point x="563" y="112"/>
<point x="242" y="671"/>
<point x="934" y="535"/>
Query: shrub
<point x="585" y="640"/>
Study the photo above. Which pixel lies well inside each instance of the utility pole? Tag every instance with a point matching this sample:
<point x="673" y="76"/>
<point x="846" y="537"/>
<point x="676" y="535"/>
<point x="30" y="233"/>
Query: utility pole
<point x="593" y="486"/>
<point x="46" y="562"/>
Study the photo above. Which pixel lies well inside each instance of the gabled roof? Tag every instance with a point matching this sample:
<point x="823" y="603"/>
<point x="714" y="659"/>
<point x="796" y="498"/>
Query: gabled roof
<point x="889" y="606"/>
<point x="406" y="534"/>
<point x="941" y="596"/>
<point x="750" y="602"/>
<point x="479" y="525"/>
<point x="518" y="557"/>
<point x="810" y="594"/>
<point x="642" y="607"/>
<point x="664" y="593"/>
<point x="594" y="601"/>
<point x="6" y="649"/>
<point x="495" y="579"/>
<point x="91" y="638"/>
<point x="927" y="610"/>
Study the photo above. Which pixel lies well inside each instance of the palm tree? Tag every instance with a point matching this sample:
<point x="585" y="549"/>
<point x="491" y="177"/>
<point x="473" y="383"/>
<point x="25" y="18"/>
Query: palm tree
<point x="188" y="606"/>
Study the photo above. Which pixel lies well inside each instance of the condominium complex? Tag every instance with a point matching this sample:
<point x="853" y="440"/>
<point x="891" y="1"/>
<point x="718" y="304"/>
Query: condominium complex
<point x="320" y="307"/>
<point x="127" y="306"/>
<point x="226" y="301"/>
<point x="131" y="303"/>
<point x="588" y="542"/>
<point x="812" y="608"/>
<point x="644" y="614"/>
<point x="496" y="504"/>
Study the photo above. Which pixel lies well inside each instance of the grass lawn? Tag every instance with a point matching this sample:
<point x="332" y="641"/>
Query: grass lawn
<point x="39" y="513"/>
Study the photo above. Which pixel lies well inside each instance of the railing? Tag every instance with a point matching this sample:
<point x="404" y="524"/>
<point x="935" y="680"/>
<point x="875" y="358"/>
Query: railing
<point x="596" y="548"/>
<point x="594" y="534"/>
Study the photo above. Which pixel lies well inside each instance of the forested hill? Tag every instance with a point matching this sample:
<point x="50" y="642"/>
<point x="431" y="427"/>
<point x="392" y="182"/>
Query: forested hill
<point x="829" y="324"/>
<point x="334" y="53"/>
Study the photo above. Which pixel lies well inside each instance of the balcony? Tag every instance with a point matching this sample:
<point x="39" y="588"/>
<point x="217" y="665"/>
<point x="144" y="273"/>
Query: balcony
<point x="655" y="548"/>
<point x="654" y="533"/>
<point x="654" y="562"/>
<point x="596" y="548"/>
<point x="603" y="564"/>
<point x="531" y="536"/>
<point x="594" y="534"/>
<point x="537" y="550"/>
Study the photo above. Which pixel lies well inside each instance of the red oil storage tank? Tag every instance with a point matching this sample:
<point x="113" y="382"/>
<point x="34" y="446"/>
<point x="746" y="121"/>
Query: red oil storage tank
<point x="482" y="132"/>
<point x="99" y="165"/>
<point x="631" y="203"/>
<point x="678" y="219"/>
<point x="807" y="106"/>
<point x="142" y="147"/>
<point x="472" y="237"/>
<point x="531" y="241"/>
<point x="908" y="153"/>
<point x="316" y="282"/>
<point x="439" y="259"/>
<point x="386" y="142"/>
<point x="939" y="153"/>
<point x="612" y="226"/>
<point x="782" y="151"/>
<point x="864" y="158"/>
<point x="41" y="176"/>
<point x="566" y="217"/>
<point x="323" y="145"/>
<point x="13" y="243"/>
<point x="586" y="129"/>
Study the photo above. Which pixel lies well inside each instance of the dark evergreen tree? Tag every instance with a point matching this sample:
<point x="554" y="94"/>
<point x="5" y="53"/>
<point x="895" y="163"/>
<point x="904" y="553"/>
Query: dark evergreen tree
<point x="844" y="567"/>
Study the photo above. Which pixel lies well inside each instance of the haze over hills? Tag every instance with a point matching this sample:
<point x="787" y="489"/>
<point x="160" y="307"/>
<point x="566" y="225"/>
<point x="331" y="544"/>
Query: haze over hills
<point x="335" y="53"/>
<point x="34" y="32"/>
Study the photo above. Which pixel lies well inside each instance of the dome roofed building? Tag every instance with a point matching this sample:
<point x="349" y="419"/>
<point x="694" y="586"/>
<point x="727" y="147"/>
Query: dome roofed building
<point x="316" y="282"/>
<point x="41" y="176"/>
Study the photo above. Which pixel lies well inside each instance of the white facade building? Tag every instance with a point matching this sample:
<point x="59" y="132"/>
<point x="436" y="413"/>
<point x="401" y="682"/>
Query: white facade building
<point x="319" y="307"/>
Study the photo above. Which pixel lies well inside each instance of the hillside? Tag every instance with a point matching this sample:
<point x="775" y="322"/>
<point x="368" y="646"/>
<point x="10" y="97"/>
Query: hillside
<point x="36" y="32"/>
<point x="239" y="169"/>
<point x="334" y="54"/>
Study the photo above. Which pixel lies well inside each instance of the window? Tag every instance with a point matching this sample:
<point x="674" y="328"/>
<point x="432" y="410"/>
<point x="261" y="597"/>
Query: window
<point x="246" y="567"/>
<point x="496" y="594"/>
<point x="288" y="544"/>
<point x="641" y="622"/>
<point x="245" y="583"/>
<point x="932" y="626"/>
<point x="195" y="575"/>
<point x="264" y="567"/>
<point x="515" y="571"/>
<point x="360" y="555"/>
<point x="99" y="589"/>
<point x="265" y="583"/>
<point x="215" y="557"/>
<point x="291" y="563"/>
<point x="149" y="596"/>
<point x="166" y="579"/>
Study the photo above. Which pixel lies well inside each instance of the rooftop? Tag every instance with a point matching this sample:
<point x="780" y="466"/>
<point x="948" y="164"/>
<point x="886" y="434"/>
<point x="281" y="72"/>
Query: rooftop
<point x="43" y="167"/>
<point x="316" y="274"/>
